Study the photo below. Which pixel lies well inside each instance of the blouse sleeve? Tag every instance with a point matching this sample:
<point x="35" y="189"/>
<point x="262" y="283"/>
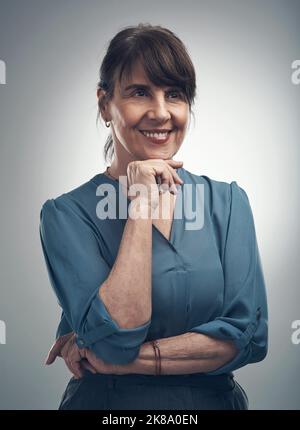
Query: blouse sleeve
<point x="63" y="326"/>
<point x="244" y="318"/>
<point x="76" y="270"/>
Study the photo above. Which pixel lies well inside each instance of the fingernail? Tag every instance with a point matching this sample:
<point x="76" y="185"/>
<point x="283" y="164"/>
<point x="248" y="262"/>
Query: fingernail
<point x="173" y="189"/>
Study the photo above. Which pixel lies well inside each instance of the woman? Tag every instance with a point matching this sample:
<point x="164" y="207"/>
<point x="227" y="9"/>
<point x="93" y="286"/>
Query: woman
<point x="158" y="311"/>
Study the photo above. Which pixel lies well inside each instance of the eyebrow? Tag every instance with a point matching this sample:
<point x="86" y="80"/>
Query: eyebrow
<point x="129" y="87"/>
<point x="146" y="87"/>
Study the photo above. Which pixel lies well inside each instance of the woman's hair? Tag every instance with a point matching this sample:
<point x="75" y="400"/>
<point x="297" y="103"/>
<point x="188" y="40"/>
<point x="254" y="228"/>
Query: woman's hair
<point x="163" y="55"/>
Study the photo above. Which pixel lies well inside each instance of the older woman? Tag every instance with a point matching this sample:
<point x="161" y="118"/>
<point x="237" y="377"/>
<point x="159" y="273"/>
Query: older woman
<point x="157" y="311"/>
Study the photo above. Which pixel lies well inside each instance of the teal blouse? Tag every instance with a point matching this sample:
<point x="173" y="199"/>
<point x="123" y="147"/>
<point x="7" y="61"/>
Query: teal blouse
<point x="207" y="280"/>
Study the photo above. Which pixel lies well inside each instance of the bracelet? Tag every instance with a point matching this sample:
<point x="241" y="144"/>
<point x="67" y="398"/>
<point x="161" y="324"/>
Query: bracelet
<point x="157" y="356"/>
<point x="155" y="345"/>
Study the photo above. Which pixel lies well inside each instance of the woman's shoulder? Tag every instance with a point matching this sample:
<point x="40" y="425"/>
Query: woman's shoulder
<point x="75" y="199"/>
<point x="212" y="186"/>
<point x="218" y="194"/>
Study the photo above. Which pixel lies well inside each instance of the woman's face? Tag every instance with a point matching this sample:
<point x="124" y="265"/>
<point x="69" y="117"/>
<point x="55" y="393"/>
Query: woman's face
<point x="154" y="108"/>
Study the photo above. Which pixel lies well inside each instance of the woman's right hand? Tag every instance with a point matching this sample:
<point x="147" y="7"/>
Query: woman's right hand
<point x="147" y="172"/>
<point x="75" y="358"/>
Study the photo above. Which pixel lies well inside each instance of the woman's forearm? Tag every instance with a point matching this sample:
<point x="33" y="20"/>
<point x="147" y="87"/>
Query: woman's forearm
<point x="186" y="353"/>
<point x="175" y="367"/>
<point x="126" y="293"/>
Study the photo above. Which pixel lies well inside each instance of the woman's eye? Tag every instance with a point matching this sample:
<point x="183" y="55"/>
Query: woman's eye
<point x="138" y="91"/>
<point x="175" y="92"/>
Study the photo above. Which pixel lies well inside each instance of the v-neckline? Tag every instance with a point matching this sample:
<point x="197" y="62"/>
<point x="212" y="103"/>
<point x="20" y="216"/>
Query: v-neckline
<point x="171" y="239"/>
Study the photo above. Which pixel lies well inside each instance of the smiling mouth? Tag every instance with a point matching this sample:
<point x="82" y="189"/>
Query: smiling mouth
<point x="157" y="138"/>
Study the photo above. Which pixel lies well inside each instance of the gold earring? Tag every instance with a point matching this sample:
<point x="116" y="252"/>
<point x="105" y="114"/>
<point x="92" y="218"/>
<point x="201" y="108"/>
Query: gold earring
<point x="107" y="123"/>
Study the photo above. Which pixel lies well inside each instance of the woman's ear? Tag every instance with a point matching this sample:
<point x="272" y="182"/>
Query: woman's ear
<point x="102" y="104"/>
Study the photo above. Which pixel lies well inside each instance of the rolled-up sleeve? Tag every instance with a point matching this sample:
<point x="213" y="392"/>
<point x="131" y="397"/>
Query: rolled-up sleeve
<point x="63" y="326"/>
<point x="76" y="270"/>
<point x="244" y="319"/>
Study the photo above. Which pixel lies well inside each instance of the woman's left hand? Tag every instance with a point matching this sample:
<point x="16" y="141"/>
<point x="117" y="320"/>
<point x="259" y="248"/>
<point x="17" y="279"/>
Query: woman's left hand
<point x="78" y="359"/>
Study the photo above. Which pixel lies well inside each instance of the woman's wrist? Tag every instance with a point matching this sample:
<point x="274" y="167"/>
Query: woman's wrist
<point x="146" y="351"/>
<point x="146" y="361"/>
<point x="143" y="364"/>
<point x="145" y="367"/>
<point x="140" y="207"/>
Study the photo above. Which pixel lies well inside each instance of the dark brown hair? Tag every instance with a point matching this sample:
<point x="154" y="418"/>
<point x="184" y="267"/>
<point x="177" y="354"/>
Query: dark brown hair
<point x="163" y="55"/>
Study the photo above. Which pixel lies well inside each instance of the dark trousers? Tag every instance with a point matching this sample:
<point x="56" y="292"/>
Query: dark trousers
<point x="150" y="392"/>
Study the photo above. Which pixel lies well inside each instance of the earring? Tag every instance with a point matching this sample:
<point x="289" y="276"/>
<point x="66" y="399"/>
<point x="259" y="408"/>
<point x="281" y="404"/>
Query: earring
<point x="107" y="123"/>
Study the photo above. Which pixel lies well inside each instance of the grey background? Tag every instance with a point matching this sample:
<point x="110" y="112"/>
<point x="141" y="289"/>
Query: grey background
<point x="247" y="129"/>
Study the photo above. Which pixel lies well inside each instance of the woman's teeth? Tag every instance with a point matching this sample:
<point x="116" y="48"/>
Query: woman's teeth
<point x="156" y="135"/>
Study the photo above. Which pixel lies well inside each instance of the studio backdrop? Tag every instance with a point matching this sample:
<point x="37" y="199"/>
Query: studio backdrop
<point x="246" y="128"/>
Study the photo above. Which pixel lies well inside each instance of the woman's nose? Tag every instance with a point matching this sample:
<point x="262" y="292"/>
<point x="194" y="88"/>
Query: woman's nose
<point x="159" y="110"/>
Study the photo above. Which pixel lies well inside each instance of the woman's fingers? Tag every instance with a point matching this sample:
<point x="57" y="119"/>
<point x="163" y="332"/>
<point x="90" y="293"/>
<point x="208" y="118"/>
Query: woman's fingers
<point x="75" y="367"/>
<point x="175" y="180"/>
<point x="172" y="164"/>
<point x="98" y="364"/>
<point x="86" y="365"/>
<point x="56" y="348"/>
<point x="153" y="172"/>
<point x="169" y="179"/>
<point x="54" y="352"/>
<point x="166" y="180"/>
<point x="64" y="354"/>
<point x="75" y="356"/>
<point x="71" y="355"/>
